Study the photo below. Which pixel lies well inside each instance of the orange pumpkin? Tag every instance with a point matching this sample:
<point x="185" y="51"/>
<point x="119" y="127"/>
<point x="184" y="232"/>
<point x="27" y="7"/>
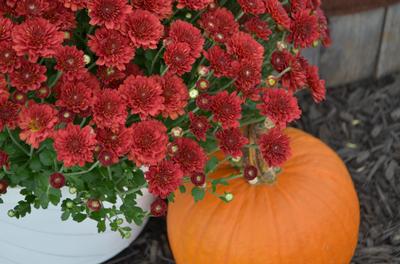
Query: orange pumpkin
<point x="309" y="215"/>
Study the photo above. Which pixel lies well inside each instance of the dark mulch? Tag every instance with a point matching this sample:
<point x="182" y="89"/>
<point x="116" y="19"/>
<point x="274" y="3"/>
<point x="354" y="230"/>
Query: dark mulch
<point x="362" y="122"/>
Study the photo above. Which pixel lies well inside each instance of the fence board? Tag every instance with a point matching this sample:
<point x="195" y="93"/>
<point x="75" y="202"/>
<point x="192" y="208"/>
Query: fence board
<point x="389" y="57"/>
<point x="354" y="52"/>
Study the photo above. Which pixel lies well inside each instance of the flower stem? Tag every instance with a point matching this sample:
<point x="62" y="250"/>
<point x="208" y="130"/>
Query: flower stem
<point x="156" y="58"/>
<point x="109" y="173"/>
<point x="54" y="82"/>
<point x="16" y="142"/>
<point x="95" y="165"/>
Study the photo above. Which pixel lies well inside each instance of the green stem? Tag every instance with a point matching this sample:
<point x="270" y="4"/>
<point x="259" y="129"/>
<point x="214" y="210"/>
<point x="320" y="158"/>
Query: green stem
<point x="133" y="190"/>
<point x="95" y="165"/>
<point x="7" y="172"/>
<point x="109" y="173"/>
<point x="16" y="142"/>
<point x="252" y="121"/>
<point x="83" y="122"/>
<point x="241" y="13"/>
<point x="153" y="63"/>
<point x="31" y="152"/>
<point x="54" y="82"/>
<point x="164" y="71"/>
<point x="91" y="66"/>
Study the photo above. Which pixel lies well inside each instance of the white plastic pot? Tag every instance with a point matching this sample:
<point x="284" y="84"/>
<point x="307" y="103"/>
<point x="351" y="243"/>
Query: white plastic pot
<point x="43" y="238"/>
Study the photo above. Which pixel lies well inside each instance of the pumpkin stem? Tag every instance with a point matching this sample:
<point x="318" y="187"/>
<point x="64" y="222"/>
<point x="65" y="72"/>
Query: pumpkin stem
<point x="253" y="157"/>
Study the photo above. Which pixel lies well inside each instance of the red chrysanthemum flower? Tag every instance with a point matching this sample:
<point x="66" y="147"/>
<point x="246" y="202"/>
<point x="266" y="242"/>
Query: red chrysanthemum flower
<point x="57" y="180"/>
<point x="109" y="109"/>
<point x="75" y="96"/>
<point x="279" y="106"/>
<point x="227" y="109"/>
<point x="204" y="101"/>
<point x="164" y="178"/>
<point x="323" y="28"/>
<point x="175" y="95"/>
<point x="158" y="208"/>
<point x="193" y="4"/>
<point x="149" y="142"/>
<point x="143" y="28"/>
<point x="258" y="27"/>
<point x="219" y="23"/>
<point x="74" y="5"/>
<point x="245" y="48"/>
<point x="28" y="77"/>
<point x="316" y="85"/>
<point x="117" y="141"/>
<point x="304" y="29"/>
<point x="112" y="48"/>
<point x="8" y="114"/>
<point x="199" y="125"/>
<point x="221" y="62"/>
<point x="254" y="7"/>
<point x="298" y="5"/>
<point x="110" y="13"/>
<point x="143" y="95"/>
<point x="31" y="7"/>
<point x="248" y="77"/>
<point x="4" y="95"/>
<point x="278" y="12"/>
<point x="189" y="155"/>
<point x="6" y="28"/>
<point x="274" y="147"/>
<point x="178" y="58"/>
<point x="8" y="58"/>
<point x="110" y="77"/>
<point x="75" y="145"/>
<point x="184" y="32"/>
<point x="37" y="38"/>
<point x="61" y="17"/>
<point x="133" y="69"/>
<point x="231" y="141"/>
<point x="162" y="8"/>
<point x="36" y="122"/>
<point x="70" y="61"/>
<point x="296" y="77"/>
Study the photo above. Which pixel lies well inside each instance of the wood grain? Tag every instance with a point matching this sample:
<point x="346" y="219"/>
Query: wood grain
<point x="389" y="57"/>
<point x="354" y="52"/>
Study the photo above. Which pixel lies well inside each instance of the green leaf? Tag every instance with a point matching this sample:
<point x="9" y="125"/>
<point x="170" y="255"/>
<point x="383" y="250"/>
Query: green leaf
<point x="171" y="197"/>
<point x="65" y="215"/>
<point x="47" y="157"/>
<point x="182" y="188"/>
<point x="221" y="181"/>
<point x="212" y="164"/>
<point x="35" y="164"/>
<point x="101" y="226"/>
<point x="54" y="196"/>
<point x="198" y="193"/>
<point x="78" y="217"/>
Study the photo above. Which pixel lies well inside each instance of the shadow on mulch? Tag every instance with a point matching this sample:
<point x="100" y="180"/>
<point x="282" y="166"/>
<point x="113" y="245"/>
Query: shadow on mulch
<point x="361" y="122"/>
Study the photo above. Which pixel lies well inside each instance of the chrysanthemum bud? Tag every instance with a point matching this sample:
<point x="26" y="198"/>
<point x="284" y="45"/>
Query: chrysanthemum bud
<point x="250" y="172"/>
<point x="198" y="179"/>
<point x="281" y="45"/>
<point x="72" y="190"/>
<point x="69" y="204"/>
<point x="280" y="27"/>
<point x="315" y="43"/>
<point x="236" y="159"/>
<point x="268" y="123"/>
<point x="203" y="70"/>
<point x="11" y="213"/>
<point x="93" y="205"/>
<point x="193" y="93"/>
<point x="57" y="180"/>
<point x="158" y="207"/>
<point x="229" y="197"/>
<point x="3" y="186"/>
<point x="177" y="132"/>
<point x="87" y="59"/>
<point x="19" y="97"/>
<point x="43" y="92"/>
<point x="271" y="81"/>
<point x="66" y="116"/>
<point x="296" y="50"/>
<point x="188" y="15"/>
<point x="106" y="158"/>
<point x="67" y="35"/>
<point x="202" y="84"/>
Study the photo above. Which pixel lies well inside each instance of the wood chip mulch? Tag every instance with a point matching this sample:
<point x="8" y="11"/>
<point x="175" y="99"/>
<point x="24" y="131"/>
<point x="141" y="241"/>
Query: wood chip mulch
<point x="361" y="122"/>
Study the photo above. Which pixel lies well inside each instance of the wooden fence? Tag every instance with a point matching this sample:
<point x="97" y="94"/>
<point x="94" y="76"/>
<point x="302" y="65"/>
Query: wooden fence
<point x="365" y="45"/>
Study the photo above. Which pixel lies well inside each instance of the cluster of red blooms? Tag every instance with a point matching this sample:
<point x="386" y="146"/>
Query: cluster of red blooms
<point x="116" y="90"/>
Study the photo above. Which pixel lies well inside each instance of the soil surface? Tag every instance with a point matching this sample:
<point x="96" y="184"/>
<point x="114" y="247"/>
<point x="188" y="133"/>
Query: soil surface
<point x="361" y="122"/>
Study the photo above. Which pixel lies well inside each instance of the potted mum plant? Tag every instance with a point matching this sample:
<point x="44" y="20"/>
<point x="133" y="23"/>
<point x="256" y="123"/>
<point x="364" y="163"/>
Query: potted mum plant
<point x="107" y="103"/>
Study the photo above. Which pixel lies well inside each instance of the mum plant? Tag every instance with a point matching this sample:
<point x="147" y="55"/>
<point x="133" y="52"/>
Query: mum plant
<point x="109" y="97"/>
